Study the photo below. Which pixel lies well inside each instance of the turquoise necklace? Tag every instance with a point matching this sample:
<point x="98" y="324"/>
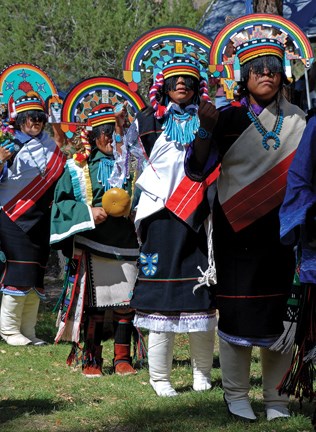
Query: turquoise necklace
<point x="181" y="127"/>
<point x="268" y="135"/>
<point x="104" y="172"/>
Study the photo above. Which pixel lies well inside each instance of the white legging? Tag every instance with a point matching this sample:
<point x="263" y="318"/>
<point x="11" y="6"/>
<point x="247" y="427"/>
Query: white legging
<point x="235" y="366"/>
<point x="160" y="356"/>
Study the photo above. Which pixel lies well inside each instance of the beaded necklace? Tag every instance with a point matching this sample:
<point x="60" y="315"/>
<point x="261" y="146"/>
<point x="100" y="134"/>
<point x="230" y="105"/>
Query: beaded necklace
<point x="104" y="172"/>
<point x="42" y="171"/>
<point x="268" y="135"/>
<point x="181" y="127"/>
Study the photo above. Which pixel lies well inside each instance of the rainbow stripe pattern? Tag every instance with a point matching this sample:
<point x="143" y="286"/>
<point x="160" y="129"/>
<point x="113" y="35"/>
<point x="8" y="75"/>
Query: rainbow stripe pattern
<point x="27" y="104"/>
<point x="102" y="114"/>
<point x="255" y="26"/>
<point x="250" y="23"/>
<point x="181" y="67"/>
<point x="259" y="47"/>
<point x="90" y="92"/>
<point x="152" y="49"/>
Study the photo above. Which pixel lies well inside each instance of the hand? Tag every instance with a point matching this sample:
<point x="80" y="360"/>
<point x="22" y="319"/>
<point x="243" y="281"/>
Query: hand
<point x="5" y="155"/>
<point x="59" y="135"/>
<point x="99" y="215"/>
<point x="120" y="112"/>
<point x="208" y="115"/>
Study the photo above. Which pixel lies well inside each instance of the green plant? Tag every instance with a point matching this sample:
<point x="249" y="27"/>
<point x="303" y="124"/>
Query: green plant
<point x="39" y="392"/>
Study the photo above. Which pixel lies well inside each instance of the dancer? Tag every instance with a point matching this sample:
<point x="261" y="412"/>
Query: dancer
<point x="254" y="141"/>
<point x="170" y="294"/>
<point x="99" y="241"/>
<point x="297" y="219"/>
<point x="29" y="171"/>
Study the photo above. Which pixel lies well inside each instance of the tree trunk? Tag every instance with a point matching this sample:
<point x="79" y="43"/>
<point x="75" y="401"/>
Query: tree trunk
<point x="268" y="6"/>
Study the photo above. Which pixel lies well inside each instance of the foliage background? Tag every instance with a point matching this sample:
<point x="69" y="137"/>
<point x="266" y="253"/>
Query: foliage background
<point x="75" y="39"/>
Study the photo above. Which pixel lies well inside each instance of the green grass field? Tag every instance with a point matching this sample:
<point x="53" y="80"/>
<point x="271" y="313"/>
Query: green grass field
<point x="39" y="392"/>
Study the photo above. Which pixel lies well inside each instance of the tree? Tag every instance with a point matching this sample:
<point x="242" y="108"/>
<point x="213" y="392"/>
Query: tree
<point x="268" y="6"/>
<point x="75" y="39"/>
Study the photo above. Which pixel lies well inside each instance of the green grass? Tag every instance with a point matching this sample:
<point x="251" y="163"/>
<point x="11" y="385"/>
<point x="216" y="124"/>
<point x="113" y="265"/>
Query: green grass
<point x="39" y="392"/>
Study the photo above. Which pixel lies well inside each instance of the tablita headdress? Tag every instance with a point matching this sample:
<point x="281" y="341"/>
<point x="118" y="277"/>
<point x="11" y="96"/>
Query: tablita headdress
<point x="252" y="36"/>
<point x="81" y="100"/>
<point x="165" y="52"/>
<point x="19" y="82"/>
<point x="91" y="102"/>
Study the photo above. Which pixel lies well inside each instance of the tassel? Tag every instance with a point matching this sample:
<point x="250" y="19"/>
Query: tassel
<point x="299" y="379"/>
<point x="74" y="355"/>
<point x="294" y="305"/>
<point x="65" y="286"/>
<point x="140" y="349"/>
<point x="285" y="342"/>
<point x="311" y="355"/>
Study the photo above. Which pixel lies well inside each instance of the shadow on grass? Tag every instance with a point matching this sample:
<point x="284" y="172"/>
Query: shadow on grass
<point x="165" y="415"/>
<point x="12" y="409"/>
<point x="205" y="414"/>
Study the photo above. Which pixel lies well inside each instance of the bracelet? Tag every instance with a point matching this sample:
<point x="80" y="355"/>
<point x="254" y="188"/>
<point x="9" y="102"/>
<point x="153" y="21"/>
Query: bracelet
<point x="1" y="162"/>
<point x="118" y="138"/>
<point x="203" y="134"/>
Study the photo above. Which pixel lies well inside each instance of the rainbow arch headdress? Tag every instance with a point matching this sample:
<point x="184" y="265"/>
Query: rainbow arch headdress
<point x="252" y="36"/>
<point x="149" y="52"/>
<point x="165" y="52"/>
<point x="84" y="96"/>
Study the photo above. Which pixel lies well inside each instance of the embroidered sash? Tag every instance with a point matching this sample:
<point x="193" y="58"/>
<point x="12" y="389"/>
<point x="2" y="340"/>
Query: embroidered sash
<point x="252" y="180"/>
<point x="24" y="185"/>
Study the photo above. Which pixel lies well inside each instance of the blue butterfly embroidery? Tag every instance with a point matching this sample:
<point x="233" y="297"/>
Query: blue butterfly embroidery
<point x="149" y="269"/>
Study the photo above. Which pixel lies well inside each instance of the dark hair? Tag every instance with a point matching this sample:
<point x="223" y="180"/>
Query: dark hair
<point x="170" y="84"/>
<point x="34" y="115"/>
<point x="273" y="63"/>
<point x="190" y="82"/>
<point x="107" y="129"/>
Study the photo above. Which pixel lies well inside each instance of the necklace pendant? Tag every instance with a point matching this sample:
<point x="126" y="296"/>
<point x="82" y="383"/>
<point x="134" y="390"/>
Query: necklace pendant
<point x="43" y="172"/>
<point x="271" y="135"/>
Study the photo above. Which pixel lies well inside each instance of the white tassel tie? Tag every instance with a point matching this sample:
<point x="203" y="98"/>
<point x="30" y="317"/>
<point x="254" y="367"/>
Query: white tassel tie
<point x="208" y="277"/>
<point x="285" y="342"/>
